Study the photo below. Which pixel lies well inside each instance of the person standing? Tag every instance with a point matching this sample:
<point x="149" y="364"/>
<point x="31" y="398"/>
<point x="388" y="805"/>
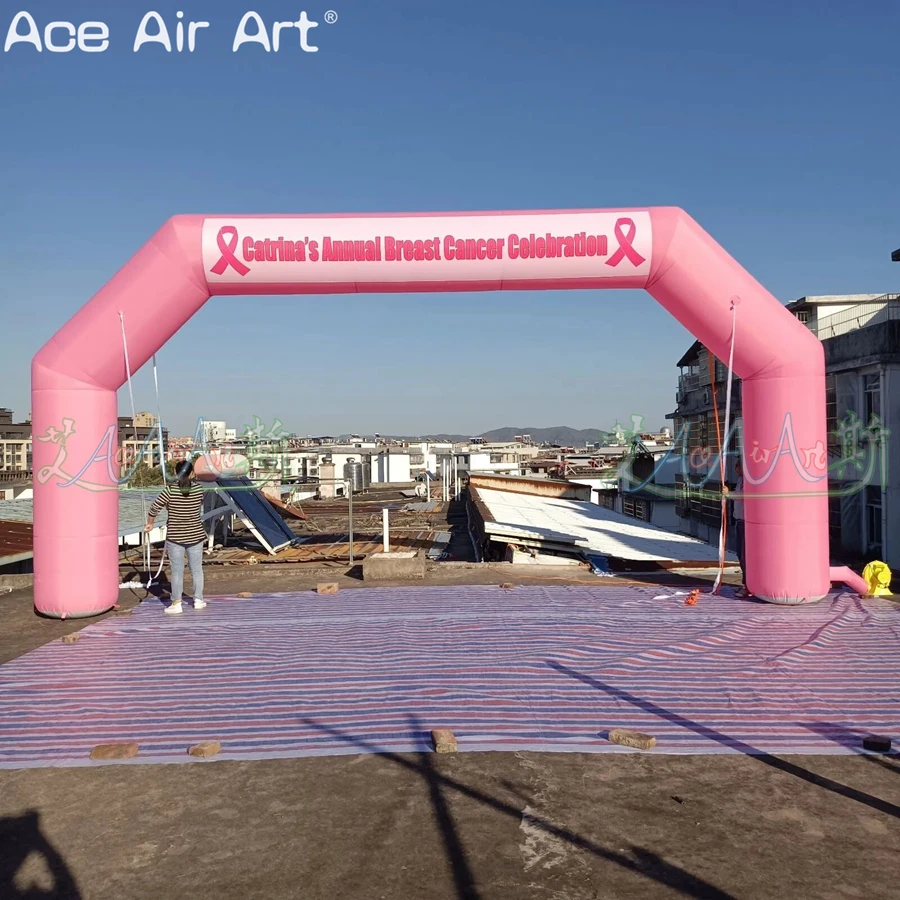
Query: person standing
<point x="185" y="534"/>
<point x="737" y="511"/>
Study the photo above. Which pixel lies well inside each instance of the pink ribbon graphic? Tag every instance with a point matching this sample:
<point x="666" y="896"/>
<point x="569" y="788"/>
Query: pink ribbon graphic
<point x="227" y="251"/>
<point x="625" y="248"/>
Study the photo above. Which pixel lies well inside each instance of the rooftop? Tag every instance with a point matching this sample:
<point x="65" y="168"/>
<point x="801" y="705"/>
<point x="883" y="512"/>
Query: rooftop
<point x="585" y="526"/>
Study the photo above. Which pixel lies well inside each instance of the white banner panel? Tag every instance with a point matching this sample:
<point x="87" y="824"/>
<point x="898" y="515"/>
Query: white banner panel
<point x="426" y="248"/>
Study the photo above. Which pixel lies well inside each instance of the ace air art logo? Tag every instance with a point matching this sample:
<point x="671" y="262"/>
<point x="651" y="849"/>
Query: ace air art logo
<point x="179" y="36"/>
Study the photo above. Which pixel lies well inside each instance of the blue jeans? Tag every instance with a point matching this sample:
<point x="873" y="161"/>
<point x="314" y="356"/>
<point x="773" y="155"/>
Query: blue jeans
<point x="195" y="561"/>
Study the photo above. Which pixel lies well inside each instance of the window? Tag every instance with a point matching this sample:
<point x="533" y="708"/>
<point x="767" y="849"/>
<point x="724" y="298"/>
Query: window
<point x="711" y="511"/>
<point x="873" y="519"/>
<point x="872" y="387"/>
<point x="715" y="434"/>
<point x="681" y="498"/>
<point x="834" y="523"/>
<point x="607" y="499"/>
<point x="697" y="434"/>
<point x="636" y="508"/>
<point x="721" y="372"/>
<point x="680" y="442"/>
<point x="831" y="410"/>
<point x="496" y="458"/>
<point x="802" y="316"/>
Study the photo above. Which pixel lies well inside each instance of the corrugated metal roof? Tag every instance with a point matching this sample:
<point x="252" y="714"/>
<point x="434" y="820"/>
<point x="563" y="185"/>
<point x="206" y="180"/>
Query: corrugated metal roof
<point x="586" y="526"/>
<point x="132" y="514"/>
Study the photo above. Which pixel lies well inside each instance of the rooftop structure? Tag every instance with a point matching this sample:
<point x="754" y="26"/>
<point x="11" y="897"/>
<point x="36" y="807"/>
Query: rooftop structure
<point x="829" y="316"/>
<point x="557" y="516"/>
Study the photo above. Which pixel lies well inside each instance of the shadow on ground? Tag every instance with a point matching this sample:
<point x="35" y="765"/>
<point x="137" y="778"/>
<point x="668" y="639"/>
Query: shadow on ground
<point x="30" y="866"/>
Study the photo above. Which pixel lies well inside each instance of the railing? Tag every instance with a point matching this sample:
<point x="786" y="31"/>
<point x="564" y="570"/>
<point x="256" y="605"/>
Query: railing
<point x="15" y="475"/>
<point x="861" y="315"/>
<point x="688" y="383"/>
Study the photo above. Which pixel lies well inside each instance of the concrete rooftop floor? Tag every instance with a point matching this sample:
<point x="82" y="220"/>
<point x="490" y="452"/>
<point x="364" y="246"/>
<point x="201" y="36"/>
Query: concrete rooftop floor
<point x="472" y="825"/>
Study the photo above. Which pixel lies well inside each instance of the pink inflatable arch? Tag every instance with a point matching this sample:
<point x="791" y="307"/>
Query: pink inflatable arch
<point x="75" y="376"/>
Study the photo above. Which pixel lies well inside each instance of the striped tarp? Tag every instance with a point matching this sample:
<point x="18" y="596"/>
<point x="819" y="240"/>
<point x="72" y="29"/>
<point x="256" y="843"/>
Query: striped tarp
<point x="539" y="668"/>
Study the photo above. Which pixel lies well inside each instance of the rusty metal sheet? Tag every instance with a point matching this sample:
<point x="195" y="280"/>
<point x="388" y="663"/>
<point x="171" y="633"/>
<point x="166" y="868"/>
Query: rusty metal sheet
<point x="16" y="541"/>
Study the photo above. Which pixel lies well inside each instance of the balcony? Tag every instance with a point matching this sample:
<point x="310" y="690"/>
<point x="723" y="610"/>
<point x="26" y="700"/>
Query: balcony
<point x="688" y="383"/>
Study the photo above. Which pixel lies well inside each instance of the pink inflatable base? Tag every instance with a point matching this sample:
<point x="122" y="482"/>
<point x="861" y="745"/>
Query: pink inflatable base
<point x="75" y="376"/>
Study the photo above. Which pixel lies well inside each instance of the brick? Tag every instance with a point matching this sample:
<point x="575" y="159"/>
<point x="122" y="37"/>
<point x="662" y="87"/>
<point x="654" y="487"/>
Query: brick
<point x="628" y="738"/>
<point x="206" y="749"/>
<point x="877" y="743"/>
<point x="327" y="587"/>
<point x="114" y="751"/>
<point x="245" y="594"/>
<point x="444" y="740"/>
<point x="507" y="585"/>
<point x="71" y="638"/>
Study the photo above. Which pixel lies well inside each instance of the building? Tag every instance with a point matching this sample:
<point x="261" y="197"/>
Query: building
<point x="699" y="421"/>
<point x="647" y="485"/>
<point x="137" y="438"/>
<point x="862" y="385"/>
<point x="423" y="457"/>
<point x="214" y="432"/>
<point x="139" y="443"/>
<point x="860" y="334"/>
<point x="15" y="446"/>
<point x="392" y="467"/>
<point x="500" y="457"/>
<point x="15" y="490"/>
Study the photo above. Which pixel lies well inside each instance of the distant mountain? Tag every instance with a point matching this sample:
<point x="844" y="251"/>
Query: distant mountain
<point x="454" y="438"/>
<point x="559" y="434"/>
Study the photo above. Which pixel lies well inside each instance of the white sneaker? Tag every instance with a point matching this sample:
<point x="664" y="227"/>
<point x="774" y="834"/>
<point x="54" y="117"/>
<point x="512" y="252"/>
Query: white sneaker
<point x="174" y="609"/>
<point x="199" y="604"/>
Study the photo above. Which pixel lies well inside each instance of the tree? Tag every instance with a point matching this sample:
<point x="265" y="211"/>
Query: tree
<point x="145" y="476"/>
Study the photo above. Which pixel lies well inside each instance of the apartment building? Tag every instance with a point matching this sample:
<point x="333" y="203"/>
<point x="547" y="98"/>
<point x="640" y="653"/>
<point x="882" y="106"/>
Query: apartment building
<point x="860" y="334"/>
<point x="15" y="445"/>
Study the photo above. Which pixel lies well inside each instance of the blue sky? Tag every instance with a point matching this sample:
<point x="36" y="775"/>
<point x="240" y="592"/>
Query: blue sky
<point x="775" y="125"/>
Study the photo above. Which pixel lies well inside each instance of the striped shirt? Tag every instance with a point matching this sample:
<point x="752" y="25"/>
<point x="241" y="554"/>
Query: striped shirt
<point x="184" y="525"/>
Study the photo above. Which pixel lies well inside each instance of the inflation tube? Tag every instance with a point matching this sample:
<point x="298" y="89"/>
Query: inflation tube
<point x="75" y="376"/>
